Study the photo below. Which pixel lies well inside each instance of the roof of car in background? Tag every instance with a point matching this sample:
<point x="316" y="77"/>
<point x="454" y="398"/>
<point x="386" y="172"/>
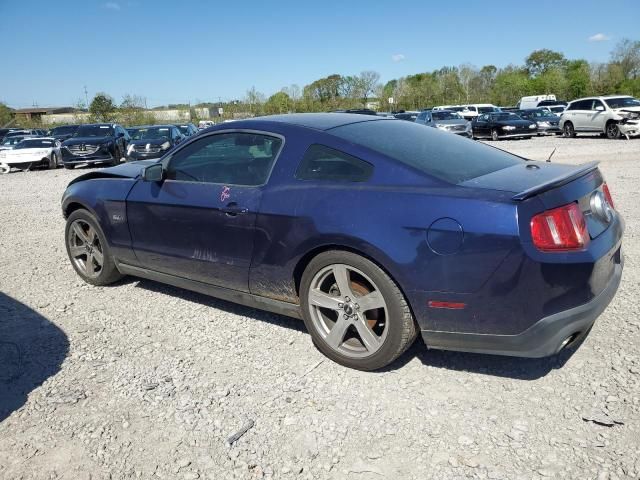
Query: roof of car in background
<point x="318" y="121"/>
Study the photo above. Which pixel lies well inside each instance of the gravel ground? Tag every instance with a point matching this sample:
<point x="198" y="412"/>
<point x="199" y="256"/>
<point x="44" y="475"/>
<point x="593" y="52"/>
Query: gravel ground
<point x="140" y="380"/>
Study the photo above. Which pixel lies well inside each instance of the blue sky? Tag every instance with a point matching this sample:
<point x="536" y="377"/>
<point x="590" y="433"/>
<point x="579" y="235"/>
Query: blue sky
<point x="191" y="50"/>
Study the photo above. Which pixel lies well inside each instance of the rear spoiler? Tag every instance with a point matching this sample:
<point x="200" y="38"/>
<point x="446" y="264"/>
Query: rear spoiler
<point x="580" y="171"/>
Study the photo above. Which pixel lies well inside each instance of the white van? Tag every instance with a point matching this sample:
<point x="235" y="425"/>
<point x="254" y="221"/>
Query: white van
<point x="470" y="112"/>
<point x="533" y="101"/>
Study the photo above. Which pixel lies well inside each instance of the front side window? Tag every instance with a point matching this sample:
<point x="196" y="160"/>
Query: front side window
<point x="227" y="158"/>
<point x="324" y="163"/>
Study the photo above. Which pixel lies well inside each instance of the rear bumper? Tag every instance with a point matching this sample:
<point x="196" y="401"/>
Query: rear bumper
<point x="544" y="338"/>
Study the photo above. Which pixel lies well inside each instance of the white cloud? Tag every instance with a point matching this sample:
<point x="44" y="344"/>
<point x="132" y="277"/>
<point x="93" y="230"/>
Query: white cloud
<point x="112" y="6"/>
<point x="398" y="57"/>
<point x="599" y="37"/>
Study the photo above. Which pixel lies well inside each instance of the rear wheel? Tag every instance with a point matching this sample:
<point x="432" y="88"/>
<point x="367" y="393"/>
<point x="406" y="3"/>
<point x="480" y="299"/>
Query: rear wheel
<point x="612" y="131"/>
<point x="355" y="313"/>
<point x="4" y="168"/>
<point x="494" y="135"/>
<point x="88" y="249"/>
<point x="568" y="130"/>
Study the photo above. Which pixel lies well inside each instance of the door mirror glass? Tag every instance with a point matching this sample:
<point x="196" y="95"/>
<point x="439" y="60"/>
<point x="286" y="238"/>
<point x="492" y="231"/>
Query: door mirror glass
<point x="153" y="173"/>
<point x="599" y="108"/>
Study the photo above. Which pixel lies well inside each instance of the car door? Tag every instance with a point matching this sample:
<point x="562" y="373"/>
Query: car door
<point x="579" y="115"/>
<point x="481" y="125"/>
<point x="198" y="223"/>
<point x="597" y="117"/>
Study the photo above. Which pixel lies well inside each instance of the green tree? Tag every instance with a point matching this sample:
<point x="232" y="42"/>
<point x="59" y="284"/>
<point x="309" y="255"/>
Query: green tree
<point x="102" y="108"/>
<point x="278" y="103"/>
<point x="578" y="79"/>
<point x="627" y="56"/>
<point x="511" y="84"/>
<point x="6" y="116"/>
<point x="539" y="61"/>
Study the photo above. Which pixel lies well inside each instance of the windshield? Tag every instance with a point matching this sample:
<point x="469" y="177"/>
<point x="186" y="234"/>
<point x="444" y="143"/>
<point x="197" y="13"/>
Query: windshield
<point x="504" y="116"/>
<point x="155" y="133"/>
<point x="12" y="140"/>
<point x="184" y="129"/>
<point x="136" y="133"/>
<point x="622" y="102"/>
<point x="453" y="159"/>
<point x="94" y="131"/>
<point x="35" y="143"/>
<point x="539" y="113"/>
<point x="64" y="130"/>
<point x="487" y="109"/>
<point x="456" y="109"/>
<point x="444" y="115"/>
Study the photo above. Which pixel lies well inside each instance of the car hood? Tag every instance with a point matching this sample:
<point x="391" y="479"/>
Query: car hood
<point x="89" y="140"/>
<point x="17" y="152"/>
<point x="150" y="141"/>
<point x="126" y="170"/>
<point x="453" y="121"/>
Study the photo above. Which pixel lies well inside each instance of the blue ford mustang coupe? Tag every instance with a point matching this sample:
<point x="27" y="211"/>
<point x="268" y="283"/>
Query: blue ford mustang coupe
<point x="370" y="229"/>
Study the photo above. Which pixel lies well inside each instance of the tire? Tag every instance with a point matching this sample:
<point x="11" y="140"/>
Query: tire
<point x="494" y="135"/>
<point x="69" y="166"/>
<point x="53" y="163"/>
<point x="568" y="131"/>
<point x="117" y="157"/>
<point x="88" y="249"/>
<point x="387" y="330"/>
<point x="4" y="169"/>
<point x="612" y="131"/>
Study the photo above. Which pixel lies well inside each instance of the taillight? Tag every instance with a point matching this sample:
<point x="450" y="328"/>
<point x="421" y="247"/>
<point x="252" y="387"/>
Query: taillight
<point x="560" y="229"/>
<point x="607" y="195"/>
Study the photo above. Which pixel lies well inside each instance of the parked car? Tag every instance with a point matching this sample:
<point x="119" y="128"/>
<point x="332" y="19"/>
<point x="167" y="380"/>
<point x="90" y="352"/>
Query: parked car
<point x="406" y="115"/>
<point x="554" y="106"/>
<point x="31" y="152"/>
<point x="548" y="123"/>
<point x="63" y="132"/>
<point x="153" y="142"/>
<point x="32" y="132"/>
<point x="4" y="131"/>
<point x="95" y="143"/>
<point x="9" y="142"/>
<point x="187" y="129"/>
<point x="202" y="124"/>
<point x="472" y="247"/>
<point x="613" y="115"/>
<point x="359" y="111"/>
<point x="445" y="120"/>
<point x="534" y="101"/>
<point x="497" y="126"/>
<point x="469" y="112"/>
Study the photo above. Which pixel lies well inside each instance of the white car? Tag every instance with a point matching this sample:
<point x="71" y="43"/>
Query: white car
<point x="469" y="112"/>
<point x="9" y="142"/>
<point x="612" y="115"/>
<point x="31" y="152"/>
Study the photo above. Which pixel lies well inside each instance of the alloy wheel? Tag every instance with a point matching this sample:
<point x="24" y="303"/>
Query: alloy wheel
<point x="85" y="248"/>
<point x="348" y="310"/>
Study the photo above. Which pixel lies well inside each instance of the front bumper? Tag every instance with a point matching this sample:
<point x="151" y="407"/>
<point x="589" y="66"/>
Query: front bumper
<point x="630" y="129"/>
<point x="136" y="156"/>
<point x="518" y="135"/>
<point x="552" y="130"/>
<point x="544" y="338"/>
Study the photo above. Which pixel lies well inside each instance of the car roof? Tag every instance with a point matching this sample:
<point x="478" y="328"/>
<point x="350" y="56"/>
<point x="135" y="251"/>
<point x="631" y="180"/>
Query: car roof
<point x="319" y="121"/>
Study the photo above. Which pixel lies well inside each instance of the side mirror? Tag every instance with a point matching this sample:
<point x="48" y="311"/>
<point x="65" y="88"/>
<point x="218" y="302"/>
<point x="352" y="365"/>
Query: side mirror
<point x="153" y="173"/>
<point x="599" y="108"/>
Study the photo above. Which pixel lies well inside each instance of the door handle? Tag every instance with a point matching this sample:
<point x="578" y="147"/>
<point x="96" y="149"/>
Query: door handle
<point x="232" y="209"/>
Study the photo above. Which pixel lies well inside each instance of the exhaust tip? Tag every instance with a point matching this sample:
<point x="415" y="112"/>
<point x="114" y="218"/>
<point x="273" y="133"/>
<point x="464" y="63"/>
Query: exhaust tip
<point x="567" y="342"/>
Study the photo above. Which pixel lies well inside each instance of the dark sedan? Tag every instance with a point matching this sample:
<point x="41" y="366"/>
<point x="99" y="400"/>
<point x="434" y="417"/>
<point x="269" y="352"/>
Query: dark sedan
<point x="502" y="125"/>
<point x="96" y="143"/>
<point x="373" y="230"/>
<point x="153" y="142"/>
<point x="548" y="123"/>
<point x="187" y="129"/>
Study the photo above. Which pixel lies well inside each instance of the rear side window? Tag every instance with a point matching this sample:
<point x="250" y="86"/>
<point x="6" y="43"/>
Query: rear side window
<point x="324" y="163"/>
<point x="447" y="157"/>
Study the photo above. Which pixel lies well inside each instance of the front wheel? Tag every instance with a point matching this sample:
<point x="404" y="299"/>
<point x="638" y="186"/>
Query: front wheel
<point x="568" y="130"/>
<point x="88" y="249"/>
<point x="355" y="313"/>
<point x="53" y="163"/>
<point x="494" y="135"/>
<point x="613" y="131"/>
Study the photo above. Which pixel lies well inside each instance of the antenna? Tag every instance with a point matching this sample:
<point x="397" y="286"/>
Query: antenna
<point x="554" y="151"/>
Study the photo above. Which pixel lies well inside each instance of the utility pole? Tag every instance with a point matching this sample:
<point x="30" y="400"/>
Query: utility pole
<point x="86" y="97"/>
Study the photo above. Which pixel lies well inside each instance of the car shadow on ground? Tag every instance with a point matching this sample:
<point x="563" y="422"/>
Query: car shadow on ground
<point x="218" y="304"/>
<point x="32" y="349"/>
<point x="493" y="365"/>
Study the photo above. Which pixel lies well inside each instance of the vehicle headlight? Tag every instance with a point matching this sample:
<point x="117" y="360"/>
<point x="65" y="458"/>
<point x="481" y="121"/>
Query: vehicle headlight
<point x="532" y="126"/>
<point x="165" y="145"/>
<point x="543" y="124"/>
<point x="508" y="127"/>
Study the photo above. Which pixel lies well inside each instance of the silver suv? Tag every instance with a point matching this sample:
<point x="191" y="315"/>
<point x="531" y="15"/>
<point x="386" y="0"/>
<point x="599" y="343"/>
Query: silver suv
<point x="612" y="115"/>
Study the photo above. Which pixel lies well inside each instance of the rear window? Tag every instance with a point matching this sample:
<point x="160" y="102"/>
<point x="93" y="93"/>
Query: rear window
<point x="447" y="157"/>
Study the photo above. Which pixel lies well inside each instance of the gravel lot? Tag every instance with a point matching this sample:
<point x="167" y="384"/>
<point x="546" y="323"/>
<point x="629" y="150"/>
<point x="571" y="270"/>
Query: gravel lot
<point x="140" y="380"/>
